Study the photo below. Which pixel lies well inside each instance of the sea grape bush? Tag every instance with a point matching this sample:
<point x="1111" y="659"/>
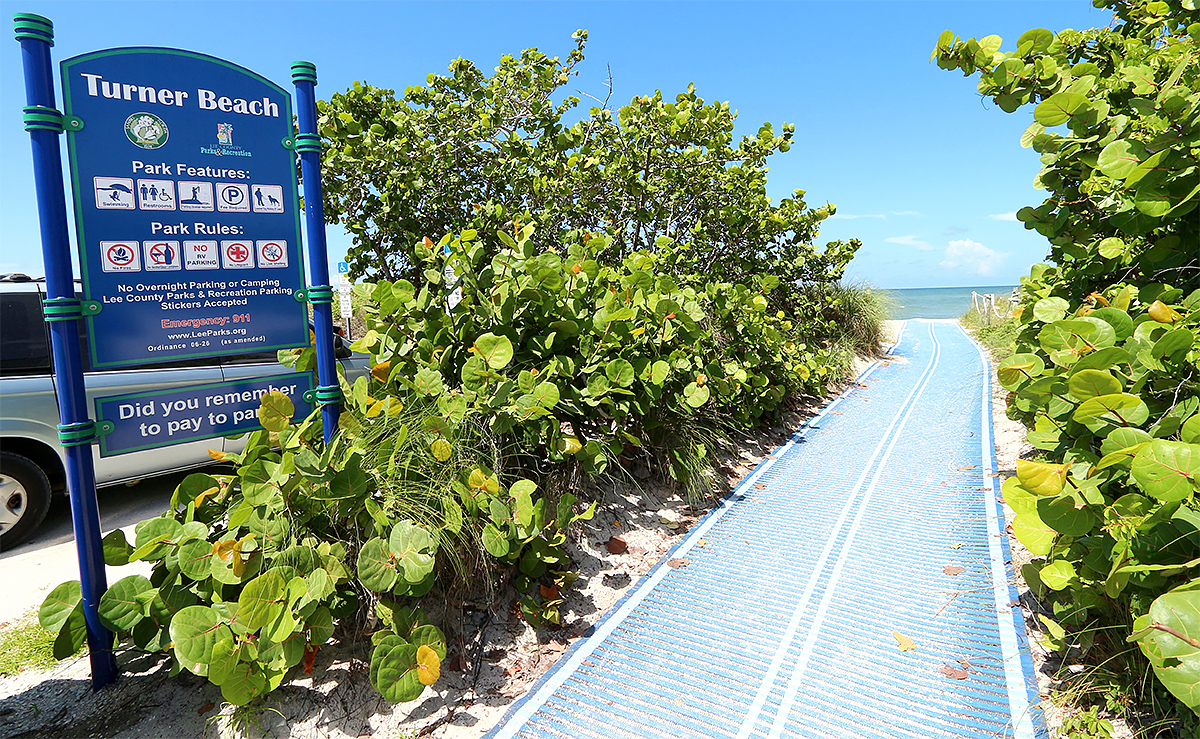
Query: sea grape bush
<point x="576" y="359"/>
<point x="473" y="150"/>
<point x="1106" y="373"/>
<point x="252" y="570"/>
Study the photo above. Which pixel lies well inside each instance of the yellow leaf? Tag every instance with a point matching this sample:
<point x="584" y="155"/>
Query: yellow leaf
<point x="903" y="642"/>
<point x="375" y="409"/>
<point x="441" y="450"/>
<point x="219" y="456"/>
<point x="225" y="549"/>
<point x="1163" y="313"/>
<point x="382" y="370"/>
<point x="568" y="445"/>
<point x="477" y="479"/>
<point x="638" y="331"/>
<point x="429" y="667"/>
<point x="206" y="494"/>
<point x="957" y="545"/>
<point x="1042" y="478"/>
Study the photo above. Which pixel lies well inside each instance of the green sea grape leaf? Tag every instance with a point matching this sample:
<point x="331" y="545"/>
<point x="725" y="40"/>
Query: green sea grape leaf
<point x="116" y="548"/>
<point x="430" y="636"/>
<point x="394" y="670"/>
<point x="120" y="609"/>
<point x="194" y="632"/>
<point x="496" y="351"/>
<point x="414" y="548"/>
<point x="262" y="600"/>
<point x="1167" y="470"/>
<point x="1058" y="108"/>
<point x="57" y="607"/>
<point x="1037" y="537"/>
<point x="1049" y="310"/>
<point x="1115" y="409"/>
<point x="245" y="682"/>
<point x="494" y="541"/>
<point x="1170" y="638"/>
<point x="1041" y="478"/>
<point x="275" y="411"/>
<point x="1015" y="369"/>
<point x="1089" y="383"/>
<point x="620" y="373"/>
<point x="195" y="558"/>
<point x="377" y="566"/>
<point x="1057" y="574"/>
<point x="1062" y="515"/>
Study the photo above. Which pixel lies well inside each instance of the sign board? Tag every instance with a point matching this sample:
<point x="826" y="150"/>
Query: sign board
<point x="166" y="417"/>
<point x="186" y="206"/>
<point x="344" y="291"/>
<point x="343" y="268"/>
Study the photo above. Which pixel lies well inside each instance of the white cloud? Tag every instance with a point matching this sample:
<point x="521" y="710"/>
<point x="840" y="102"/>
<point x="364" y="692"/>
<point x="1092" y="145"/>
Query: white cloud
<point x="906" y="212"/>
<point x="1003" y="216"/>
<point x="910" y="240"/>
<point x="972" y="256"/>
<point x="849" y="217"/>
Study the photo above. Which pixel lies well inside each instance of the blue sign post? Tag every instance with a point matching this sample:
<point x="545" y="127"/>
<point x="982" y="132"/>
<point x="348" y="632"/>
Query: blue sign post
<point x="186" y="206"/>
<point x="187" y="215"/>
<point x="76" y="431"/>
<point x="308" y="144"/>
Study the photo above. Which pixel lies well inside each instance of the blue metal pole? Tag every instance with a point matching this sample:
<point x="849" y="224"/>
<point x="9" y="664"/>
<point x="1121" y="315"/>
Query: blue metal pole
<point x="308" y="144"/>
<point x="76" y="429"/>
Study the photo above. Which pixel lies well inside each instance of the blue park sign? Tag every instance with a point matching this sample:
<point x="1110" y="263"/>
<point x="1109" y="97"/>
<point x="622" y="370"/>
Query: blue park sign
<point x="186" y="206"/>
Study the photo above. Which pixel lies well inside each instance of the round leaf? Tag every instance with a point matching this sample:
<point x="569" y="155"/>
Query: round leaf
<point x="1058" y="108"/>
<point x="496" y="351"/>
<point x="195" y="559"/>
<point x="394" y="670"/>
<point x="120" y="609"/>
<point x="441" y="450"/>
<point x="275" y="411"/>
<point x="1057" y="574"/>
<point x="262" y="600"/>
<point x="494" y="541"/>
<point x="620" y="373"/>
<point x="1049" y="310"/>
<point x="194" y="631"/>
<point x="1167" y="470"/>
<point x="1061" y="515"/>
<point x="430" y="636"/>
<point x="59" y="604"/>
<point x="1089" y="383"/>
<point x="1016" y="369"/>
<point x="429" y="665"/>
<point x="376" y="566"/>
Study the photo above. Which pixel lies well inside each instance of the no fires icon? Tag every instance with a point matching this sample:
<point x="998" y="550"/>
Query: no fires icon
<point x="237" y="254"/>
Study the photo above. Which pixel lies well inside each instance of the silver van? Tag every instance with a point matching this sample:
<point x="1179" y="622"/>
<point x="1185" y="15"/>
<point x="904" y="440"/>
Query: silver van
<point x="31" y="459"/>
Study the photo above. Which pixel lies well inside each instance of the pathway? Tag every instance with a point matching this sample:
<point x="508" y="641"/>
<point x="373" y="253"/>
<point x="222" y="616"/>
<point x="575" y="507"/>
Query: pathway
<point x="856" y="585"/>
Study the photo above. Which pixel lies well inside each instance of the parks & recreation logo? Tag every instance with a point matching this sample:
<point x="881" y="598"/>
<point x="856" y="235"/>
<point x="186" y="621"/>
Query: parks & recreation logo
<point x="225" y="146"/>
<point x="146" y="130"/>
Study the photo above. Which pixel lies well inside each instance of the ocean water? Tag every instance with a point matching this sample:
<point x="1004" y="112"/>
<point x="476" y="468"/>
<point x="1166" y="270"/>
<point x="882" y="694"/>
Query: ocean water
<point x="941" y="302"/>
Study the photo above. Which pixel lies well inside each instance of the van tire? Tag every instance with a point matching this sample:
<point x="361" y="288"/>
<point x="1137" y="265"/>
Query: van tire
<point x="24" y="487"/>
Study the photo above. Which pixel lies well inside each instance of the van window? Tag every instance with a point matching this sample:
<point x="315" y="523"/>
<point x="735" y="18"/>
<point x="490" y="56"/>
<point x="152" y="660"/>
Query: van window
<point x="24" y="341"/>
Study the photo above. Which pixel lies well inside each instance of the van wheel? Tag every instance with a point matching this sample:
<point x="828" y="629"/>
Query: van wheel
<point x="24" y="499"/>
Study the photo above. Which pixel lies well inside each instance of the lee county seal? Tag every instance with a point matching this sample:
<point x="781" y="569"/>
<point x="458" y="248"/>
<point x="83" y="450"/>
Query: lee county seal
<point x="146" y="130"/>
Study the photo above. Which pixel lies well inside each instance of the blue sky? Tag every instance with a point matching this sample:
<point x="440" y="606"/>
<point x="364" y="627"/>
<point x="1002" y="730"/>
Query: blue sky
<point x="925" y="172"/>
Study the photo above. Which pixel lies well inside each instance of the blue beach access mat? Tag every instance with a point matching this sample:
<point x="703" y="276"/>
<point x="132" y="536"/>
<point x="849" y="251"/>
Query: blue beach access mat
<point x="857" y="584"/>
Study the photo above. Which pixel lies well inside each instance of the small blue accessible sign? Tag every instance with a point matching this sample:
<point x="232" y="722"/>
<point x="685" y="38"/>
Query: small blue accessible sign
<point x="186" y="206"/>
